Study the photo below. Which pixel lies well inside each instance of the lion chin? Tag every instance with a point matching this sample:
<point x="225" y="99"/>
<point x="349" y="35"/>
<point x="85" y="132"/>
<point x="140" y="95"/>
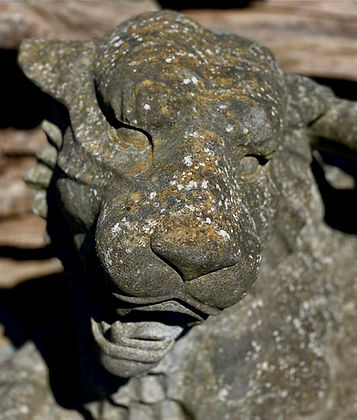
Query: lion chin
<point x="141" y="338"/>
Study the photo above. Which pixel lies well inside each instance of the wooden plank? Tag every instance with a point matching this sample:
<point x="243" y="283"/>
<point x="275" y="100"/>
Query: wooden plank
<point x="314" y="38"/>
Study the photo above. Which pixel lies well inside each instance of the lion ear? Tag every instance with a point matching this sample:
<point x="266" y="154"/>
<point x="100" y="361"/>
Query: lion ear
<point x="57" y="67"/>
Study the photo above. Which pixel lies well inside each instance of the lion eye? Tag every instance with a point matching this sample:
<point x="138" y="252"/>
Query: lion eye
<point x="248" y="165"/>
<point x="112" y="120"/>
<point x="251" y="165"/>
<point x="262" y="160"/>
<point x="132" y="147"/>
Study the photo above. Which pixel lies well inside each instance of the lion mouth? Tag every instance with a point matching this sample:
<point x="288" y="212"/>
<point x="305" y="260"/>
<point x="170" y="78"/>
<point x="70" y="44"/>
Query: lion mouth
<point x="189" y="302"/>
<point x="134" y="338"/>
<point x="146" y="343"/>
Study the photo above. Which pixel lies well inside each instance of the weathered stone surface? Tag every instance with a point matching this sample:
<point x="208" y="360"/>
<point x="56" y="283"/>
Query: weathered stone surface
<point x="18" y="21"/>
<point x="269" y="356"/>
<point x="24" y="391"/>
<point x="183" y="182"/>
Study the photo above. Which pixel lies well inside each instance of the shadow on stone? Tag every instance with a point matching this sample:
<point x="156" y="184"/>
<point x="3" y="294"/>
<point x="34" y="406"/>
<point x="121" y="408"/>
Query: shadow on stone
<point x="340" y="204"/>
<point x="22" y="104"/>
<point x="26" y="254"/>
<point x="40" y="311"/>
<point x="201" y="4"/>
<point x="342" y="88"/>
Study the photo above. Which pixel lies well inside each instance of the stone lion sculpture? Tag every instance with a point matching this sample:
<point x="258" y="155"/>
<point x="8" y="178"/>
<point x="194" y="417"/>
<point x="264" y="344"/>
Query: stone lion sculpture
<point x="178" y="174"/>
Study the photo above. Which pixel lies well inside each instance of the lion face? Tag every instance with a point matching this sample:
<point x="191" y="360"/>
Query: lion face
<point x="165" y="165"/>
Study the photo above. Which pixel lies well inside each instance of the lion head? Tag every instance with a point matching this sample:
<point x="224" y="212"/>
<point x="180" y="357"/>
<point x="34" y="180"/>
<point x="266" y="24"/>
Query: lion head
<point x="163" y="165"/>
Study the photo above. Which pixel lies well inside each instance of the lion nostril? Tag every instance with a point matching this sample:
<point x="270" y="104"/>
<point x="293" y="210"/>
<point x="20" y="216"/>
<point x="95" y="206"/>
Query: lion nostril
<point x="193" y="253"/>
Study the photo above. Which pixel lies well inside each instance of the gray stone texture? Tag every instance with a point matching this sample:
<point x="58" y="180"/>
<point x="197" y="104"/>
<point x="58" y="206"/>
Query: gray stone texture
<point x="181" y="179"/>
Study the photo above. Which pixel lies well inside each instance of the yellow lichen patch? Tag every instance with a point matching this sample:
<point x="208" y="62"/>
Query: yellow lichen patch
<point x="165" y="111"/>
<point x="153" y="85"/>
<point x="88" y="178"/>
<point x="135" y="197"/>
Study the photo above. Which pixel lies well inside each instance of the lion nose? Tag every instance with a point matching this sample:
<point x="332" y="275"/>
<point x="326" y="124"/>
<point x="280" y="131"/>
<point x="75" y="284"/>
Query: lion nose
<point x="194" y="249"/>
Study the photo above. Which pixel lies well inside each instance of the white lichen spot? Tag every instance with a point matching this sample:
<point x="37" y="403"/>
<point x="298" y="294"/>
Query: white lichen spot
<point x="147" y="107"/>
<point x="204" y="184"/>
<point x="229" y="128"/>
<point x="152" y="223"/>
<point x="190" y="207"/>
<point x="186" y="81"/>
<point x="257" y="347"/>
<point x="222" y="394"/>
<point x="24" y="409"/>
<point x="224" y="234"/>
<point x="265" y="365"/>
<point x="152" y="195"/>
<point x="257" y="303"/>
<point x="116" y="228"/>
<point x="177" y="185"/>
<point x="188" y="160"/>
<point x="191" y="184"/>
<point x="168" y="60"/>
<point x="194" y="80"/>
